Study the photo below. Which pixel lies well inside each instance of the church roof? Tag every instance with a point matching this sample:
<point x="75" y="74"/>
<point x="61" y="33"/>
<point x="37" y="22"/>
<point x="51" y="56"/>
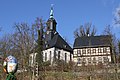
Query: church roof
<point x="58" y="42"/>
<point x="92" y="41"/>
<point x="52" y="38"/>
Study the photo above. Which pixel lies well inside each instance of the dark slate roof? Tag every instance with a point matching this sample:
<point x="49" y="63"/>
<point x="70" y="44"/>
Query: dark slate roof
<point x="92" y="41"/>
<point x="58" y="42"/>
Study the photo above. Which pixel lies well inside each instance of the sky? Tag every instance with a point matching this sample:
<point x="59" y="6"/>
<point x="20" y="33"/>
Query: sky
<point x="69" y="14"/>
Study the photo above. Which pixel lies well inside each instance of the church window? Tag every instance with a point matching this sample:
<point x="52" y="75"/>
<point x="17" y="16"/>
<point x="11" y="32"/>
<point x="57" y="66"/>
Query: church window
<point x="58" y="55"/>
<point x="51" y="25"/>
<point x="45" y="56"/>
<point x="65" y="57"/>
<point x="30" y="60"/>
<point x="50" y="56"/>
<point x="70" y="56"/>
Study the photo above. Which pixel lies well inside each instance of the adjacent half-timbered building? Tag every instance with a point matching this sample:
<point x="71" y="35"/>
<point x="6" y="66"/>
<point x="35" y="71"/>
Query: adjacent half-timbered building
<point x="92" y="50"/>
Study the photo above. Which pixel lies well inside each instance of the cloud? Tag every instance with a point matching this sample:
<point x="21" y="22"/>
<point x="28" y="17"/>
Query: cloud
<point x="117" y="13"/>
<point x="117" y="17"/>
<point x="108" y="2"/>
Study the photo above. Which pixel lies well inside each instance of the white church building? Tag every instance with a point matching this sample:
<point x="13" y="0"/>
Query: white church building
<point x="55" y="47"/>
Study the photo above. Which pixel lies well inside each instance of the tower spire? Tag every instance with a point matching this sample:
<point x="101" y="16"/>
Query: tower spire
<point x="51" y="11"/>
<point x="51" y="26"/>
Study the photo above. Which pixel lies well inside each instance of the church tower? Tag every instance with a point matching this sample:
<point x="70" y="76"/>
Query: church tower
<point x="51" y="26"/>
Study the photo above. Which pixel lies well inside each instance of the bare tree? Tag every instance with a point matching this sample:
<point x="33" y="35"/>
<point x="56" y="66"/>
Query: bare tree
<point x="19" y="44"/>
<point x="113" y="45"/>
<point x="85" y="30"/>
<point x="5" y="49"/>
<point x="119" y="46"/>
<point x="118" y="60"/>
<point x="108" y="30"/>
<point x="112" y="40"/>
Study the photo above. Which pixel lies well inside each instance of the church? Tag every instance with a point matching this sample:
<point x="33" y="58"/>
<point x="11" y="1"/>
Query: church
<point x="55" y="47"/>
<point x="87" y="50"/>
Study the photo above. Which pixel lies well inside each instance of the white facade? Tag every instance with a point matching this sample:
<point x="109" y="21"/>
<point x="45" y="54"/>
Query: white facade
<point x="32" y="59"/>
<point x="49" y="55"/>
<point x="92" y="56"/>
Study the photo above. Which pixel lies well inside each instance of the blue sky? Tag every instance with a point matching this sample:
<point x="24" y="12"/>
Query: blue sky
<point x="69" y="14"/>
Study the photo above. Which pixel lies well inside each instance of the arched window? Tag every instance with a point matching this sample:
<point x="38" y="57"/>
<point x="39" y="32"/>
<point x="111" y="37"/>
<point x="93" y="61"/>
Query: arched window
<point x="45" y="56"/>
<point x="58" y="55"/>
<point x="50" y="56"/>
<point x="65" y="57"/>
